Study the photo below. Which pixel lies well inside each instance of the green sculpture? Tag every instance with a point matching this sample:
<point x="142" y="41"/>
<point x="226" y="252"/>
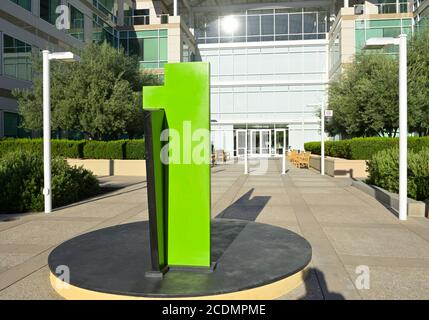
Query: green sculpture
<point x="178" y="166"/>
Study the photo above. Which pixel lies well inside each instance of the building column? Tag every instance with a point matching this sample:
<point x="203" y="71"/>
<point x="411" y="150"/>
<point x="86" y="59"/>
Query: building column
<point x="346" y="3"/>
<point x="175" y="8"/>
<point x="35" y="7"/>
<point x="87" y="25"/>
<point x="120" y="12"/>
<point x="1" y="124"/>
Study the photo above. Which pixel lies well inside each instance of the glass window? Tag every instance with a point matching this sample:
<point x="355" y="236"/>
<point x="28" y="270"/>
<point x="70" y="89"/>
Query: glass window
<point x="241" y="26"/>
<point x="282" y="21"/>
<point x="136" y="48"/>
<point x="163" y="49"/>
<point x="47" y="10"/>
<point x="295" y="23"/>
<point x="321" y="22"/>
<point x="77" y="24"/>
<point x="10" y="124"/>
<point x="212" y="28"/>
<point x="16" y="58"/>
<point x="26" y="4"/>
<point x="149" y="46"/>
<point x="150" y="49"/>
<point x="253" y="25"/>
<point x="310" y="23"/>
<point x="267" y="25"/>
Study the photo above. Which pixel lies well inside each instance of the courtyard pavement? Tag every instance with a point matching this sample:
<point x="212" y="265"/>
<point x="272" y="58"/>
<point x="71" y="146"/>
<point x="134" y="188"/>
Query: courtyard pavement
<point x="349" y="231"/>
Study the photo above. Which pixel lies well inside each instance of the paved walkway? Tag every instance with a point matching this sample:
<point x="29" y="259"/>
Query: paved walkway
<point x="345" y="227"/>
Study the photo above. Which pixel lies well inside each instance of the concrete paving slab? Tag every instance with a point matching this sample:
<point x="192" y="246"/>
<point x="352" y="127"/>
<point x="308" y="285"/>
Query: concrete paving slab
<point x="345" y="227"/>
<point x="377" y="241"/>
<point x="43" y="232"/>
<point x="395" y="283"/>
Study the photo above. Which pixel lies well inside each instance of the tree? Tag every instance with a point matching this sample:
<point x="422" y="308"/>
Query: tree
<point x="99" y="96"/>
<point x="365" y="98"/>
<point x="418" y="82"/>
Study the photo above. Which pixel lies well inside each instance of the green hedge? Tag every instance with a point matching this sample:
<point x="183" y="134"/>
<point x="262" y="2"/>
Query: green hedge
<point x="383" y="171"/>
<point x="104" y="149"/>
<point x="83" y="149"/>
<point x="135" y="149"/>
<point x="364" y="148"/>
<point x="21" y="181"/>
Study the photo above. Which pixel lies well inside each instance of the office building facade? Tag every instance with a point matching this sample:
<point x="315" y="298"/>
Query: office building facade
<point x="271" y="62"/>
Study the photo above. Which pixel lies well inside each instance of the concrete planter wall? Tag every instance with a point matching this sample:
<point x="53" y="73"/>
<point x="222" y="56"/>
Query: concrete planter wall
<point x="102" y="167"/>
<point x="338" y="167"/>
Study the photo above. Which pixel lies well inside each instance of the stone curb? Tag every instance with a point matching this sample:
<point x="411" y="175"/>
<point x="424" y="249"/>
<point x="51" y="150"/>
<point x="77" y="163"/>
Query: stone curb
<point x="391" y="200"/>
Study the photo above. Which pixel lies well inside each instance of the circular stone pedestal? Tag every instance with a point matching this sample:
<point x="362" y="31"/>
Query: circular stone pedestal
<point x="254" y="261"/>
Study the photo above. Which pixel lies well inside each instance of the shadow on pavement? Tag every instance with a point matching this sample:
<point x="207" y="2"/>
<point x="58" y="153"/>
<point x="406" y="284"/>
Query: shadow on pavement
<point x="310" y="293"/>
<point x="245" y="208"/>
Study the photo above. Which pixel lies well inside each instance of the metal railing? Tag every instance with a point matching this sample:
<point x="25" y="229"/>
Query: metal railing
<point x="383" y="8"/>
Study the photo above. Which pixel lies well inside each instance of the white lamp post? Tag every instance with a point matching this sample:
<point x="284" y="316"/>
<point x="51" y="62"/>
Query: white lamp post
<point x="47" y="57"/>
<point x="322" y="139"/>
<point x="401" y="41"/>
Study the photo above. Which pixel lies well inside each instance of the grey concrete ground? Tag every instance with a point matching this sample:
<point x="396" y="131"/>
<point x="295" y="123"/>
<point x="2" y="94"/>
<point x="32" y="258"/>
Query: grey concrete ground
<point x="348" y="230"/>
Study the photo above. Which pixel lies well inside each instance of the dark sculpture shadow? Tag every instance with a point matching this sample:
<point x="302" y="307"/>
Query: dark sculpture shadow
<point x="245" y="208"/>
<point x="320" y="293"/>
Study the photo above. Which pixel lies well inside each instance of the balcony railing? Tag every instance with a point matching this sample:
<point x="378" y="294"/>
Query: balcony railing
<point x="145" y="20"/>
<point x="390" y="7"/>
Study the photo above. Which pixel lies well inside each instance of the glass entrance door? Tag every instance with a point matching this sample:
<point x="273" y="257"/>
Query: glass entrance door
<point x="265" y="147"/>
<point x="279" y="141"/>
<point x="241" y="137"/>
<point x="254" y="142"/>
<point x="260" y="142"/>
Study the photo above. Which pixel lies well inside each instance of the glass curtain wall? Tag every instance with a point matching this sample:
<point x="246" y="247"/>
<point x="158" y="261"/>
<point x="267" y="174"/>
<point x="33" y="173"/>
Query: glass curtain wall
<point x="102" y="31"/>
<point x="77" y="24"/>
<point x="47" y="10"/>
<point x="381" y="28"/>
<point x="26" y="4"/>
<point x="262" y="25"/>
<point x="150" y="47"/>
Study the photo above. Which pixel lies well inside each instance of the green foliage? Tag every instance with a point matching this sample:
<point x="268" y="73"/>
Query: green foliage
<point x="21" y="178"/>
<point x="63" y="148"/>
<point x="314" y="147"/>
<point x="418" y="82"/>
<point x="365" y="98"/>
<point x="135" y="149"/>
<point x="83" y="149"/>
<point x="383" y="171"/>
<point x="104" y="149"/>
<point x="364" y="148"/>
<point x="99" y="96"/>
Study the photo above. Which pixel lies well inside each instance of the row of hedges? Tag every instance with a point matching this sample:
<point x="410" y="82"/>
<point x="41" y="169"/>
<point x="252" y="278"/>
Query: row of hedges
<point x="364" y="148"/>
<point x="21" y="181"/>
<point x="383" y="171"/>
<point x="83" y="149"/>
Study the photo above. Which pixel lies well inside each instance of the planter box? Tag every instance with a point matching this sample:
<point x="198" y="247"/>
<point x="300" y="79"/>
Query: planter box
<point x="338" y="167"/>
<point x="99" y="167"/>
<point x="102" y="167"/>
<point x="129" y="168"/>
<point x="391" y="200"/>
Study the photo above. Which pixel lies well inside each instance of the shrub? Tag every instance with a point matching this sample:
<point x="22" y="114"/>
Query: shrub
<point x="63" y="148"/>
<point x="21" y="180"/>
<point x="364" y="148"/>
<point x="313" y="147"/>
<point x="383" y="171"/>
<point x="135" y="149"/>
<point x="104" y="149"/>
<point x="68" y="148"/>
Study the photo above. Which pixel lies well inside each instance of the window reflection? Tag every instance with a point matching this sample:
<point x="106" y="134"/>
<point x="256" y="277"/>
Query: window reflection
<point x="263" y="25"/>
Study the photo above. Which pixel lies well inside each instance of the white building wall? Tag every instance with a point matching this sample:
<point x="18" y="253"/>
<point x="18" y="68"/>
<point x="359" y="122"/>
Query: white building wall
<point x="268" y="83"/>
